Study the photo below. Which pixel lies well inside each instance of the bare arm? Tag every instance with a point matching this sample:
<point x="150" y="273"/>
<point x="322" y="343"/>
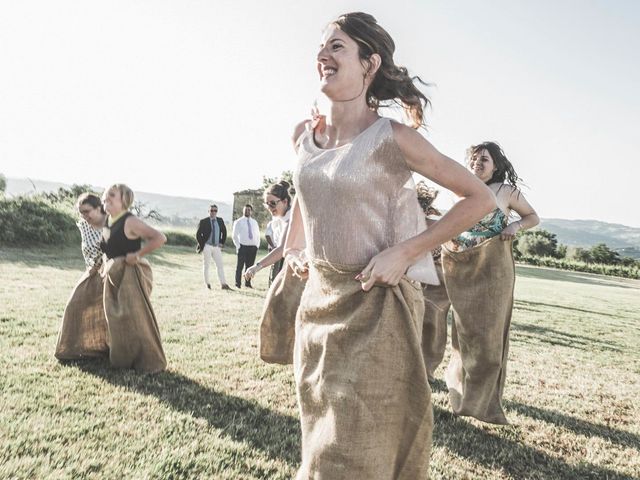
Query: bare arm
<point x="153" y="239"/>
<point x="476" y="201"/>
<point x="528" y="216"/>
<point x="295" y="243"/>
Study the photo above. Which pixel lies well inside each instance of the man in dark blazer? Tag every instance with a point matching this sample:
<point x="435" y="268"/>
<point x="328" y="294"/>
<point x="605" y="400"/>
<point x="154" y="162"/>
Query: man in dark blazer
<point x="211" y="236"/>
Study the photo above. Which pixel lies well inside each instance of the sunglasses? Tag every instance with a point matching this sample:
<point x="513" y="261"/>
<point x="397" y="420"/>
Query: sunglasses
<point x="213" y="211"/>
<point x="272" y="203"/>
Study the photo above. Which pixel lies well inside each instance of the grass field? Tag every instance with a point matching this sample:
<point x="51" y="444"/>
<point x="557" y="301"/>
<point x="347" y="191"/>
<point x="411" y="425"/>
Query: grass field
<point x="219" y="412"/>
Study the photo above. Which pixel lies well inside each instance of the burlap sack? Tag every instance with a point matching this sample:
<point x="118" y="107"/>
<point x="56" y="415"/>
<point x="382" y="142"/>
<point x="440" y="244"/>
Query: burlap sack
<point x="277" y="324"/>
<point x="83" y="332"/>
<point x="480" y="284"/>
<point x="365" y="404"/>
<point x="434" y="325"/>
<point x="133" y="330"/>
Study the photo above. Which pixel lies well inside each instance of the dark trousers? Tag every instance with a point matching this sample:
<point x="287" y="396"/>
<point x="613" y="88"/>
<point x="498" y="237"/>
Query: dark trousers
<point x="246" y="258"/>
<point x="275" y="270"/>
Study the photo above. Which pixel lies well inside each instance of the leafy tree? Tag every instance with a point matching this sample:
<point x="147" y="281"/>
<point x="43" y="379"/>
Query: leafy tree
<point x="3" y="183"/>
<point x="561" y="251"/>
<point x="600" y="253"/>
<point x="540" y="243"/>
<point x="268" y="181"/>
<point x="580" y="254"/>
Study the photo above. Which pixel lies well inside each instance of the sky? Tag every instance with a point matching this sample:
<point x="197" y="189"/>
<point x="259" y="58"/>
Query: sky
<point x="199" y="98"/>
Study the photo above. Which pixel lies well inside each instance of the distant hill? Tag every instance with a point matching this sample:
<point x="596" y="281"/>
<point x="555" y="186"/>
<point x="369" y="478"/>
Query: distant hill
<point x="586" y="233"/>
<point x="168" y="206"/>
<point x="578" y="233"/>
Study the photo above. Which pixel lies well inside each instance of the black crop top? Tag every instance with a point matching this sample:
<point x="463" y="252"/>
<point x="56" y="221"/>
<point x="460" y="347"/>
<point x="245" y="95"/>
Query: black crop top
<point x="118" y="245"/>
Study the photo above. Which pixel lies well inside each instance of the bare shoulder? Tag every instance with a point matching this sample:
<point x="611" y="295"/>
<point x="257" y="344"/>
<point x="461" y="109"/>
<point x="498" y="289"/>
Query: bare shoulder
<point x="505" y="190"/>
<point x="299" y="130"/>
<point x="409" y="139"/>
<point x="402" y="132"/>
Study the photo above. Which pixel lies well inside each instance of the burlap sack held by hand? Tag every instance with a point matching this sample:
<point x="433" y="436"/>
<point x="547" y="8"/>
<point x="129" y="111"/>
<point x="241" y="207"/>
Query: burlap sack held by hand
<point x="277" y="324"/>
<point x="83" y="332"/>
<point x="133" y="330"/>
<point x="480" y="283"/>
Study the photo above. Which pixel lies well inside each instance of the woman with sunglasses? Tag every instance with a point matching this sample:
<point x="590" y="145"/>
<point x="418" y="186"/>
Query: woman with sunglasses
<point x="358" y="235"/>
<point x="83" y="332"/>
<point x="278" y="202"/>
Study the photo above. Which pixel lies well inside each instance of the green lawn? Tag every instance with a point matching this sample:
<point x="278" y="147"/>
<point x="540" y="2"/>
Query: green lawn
<point x="219" y="412"/>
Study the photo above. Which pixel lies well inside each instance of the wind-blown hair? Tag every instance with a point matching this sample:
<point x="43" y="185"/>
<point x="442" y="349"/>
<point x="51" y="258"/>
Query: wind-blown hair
<point x="505" y="173"/>
<point x="391" y="83"/>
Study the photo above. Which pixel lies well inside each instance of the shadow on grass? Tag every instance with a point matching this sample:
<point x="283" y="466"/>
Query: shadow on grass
<point x="575" y="277"/>
<point x="558" y="337"/>
<point x="576" y="425"/>
<point x="491" y="448"/>
<point x="526" y="303"/>
<point x="277" y="435"/>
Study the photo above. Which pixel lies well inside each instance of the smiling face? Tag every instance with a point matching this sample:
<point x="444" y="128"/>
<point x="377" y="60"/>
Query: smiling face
<point x="342" y="73"/>
<point x="91" y="214"/>
<point x="482" y="165"/>
<point x="112" y="201"/>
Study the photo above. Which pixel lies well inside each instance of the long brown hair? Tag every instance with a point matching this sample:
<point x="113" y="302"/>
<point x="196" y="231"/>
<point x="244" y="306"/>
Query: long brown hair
<point x="505" y="173"/>
<point x="391" y="84"/>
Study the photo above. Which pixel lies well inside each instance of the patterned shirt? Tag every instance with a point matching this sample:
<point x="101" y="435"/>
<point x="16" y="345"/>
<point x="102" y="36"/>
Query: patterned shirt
<point x="90" y="243"/>
<point x="488" y="227"/>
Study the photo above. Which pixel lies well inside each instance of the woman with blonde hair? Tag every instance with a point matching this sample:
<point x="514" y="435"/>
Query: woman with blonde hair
<point x="133" y="329"/>
<point x="358" y="234"/>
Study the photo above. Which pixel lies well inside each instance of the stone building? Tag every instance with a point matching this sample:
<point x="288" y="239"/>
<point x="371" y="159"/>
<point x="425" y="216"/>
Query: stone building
<point x="254" y="198"/>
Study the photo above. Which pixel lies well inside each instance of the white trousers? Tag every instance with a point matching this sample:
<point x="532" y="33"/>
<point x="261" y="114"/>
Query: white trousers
<point x="210" y="252"/>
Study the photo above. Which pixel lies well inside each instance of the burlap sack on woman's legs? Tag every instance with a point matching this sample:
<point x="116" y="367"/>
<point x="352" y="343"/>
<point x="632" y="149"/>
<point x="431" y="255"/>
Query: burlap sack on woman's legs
<point x="277" y="324"/>
<point x="480" y="284"/>
<point x="365" y="403"/>
<point x="133" y="330"/>
<point x="434" y="325"/>
<point x="83" y="332"/>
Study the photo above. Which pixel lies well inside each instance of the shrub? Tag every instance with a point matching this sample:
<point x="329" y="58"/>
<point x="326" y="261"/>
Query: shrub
<point x="538" y="243"/>
<point x="35" y="221"/>
<point x="180" y="238"/>
<point x="578" y="266"/>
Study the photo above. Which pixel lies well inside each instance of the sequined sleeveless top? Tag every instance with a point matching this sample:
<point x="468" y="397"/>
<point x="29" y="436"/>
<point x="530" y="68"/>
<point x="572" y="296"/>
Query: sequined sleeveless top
<point x="488" y="227"/>
<point x="358" y="199"/>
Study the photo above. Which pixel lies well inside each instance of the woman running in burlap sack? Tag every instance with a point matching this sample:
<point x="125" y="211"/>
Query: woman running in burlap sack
<point x="133" y="330"/>
<point x="365" y="406"/>
<point x="479" y="274"/>
<point x="83" y="332"/>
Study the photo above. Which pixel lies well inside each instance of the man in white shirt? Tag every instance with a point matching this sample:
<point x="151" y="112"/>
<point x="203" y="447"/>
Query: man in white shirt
<point x="246" y="238"/>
